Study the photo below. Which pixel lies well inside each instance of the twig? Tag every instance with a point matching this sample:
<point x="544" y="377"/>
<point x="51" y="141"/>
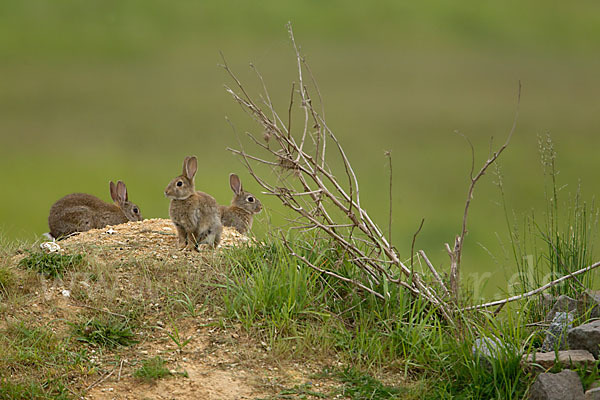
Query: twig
<point x="456" y="252"/>
<point x="99" y="381"/>
<point x="535" y="291"/>
<point x="388" y="154"/>
<point x="289" y="126"/>
<point x="414" y="239"/>
<point x="323" y="271"/>
<point x="120" y="368"/>
<point x="435" y="273"/>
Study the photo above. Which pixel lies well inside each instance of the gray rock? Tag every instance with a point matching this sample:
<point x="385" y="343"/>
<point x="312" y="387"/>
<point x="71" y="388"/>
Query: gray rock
<point x="556" y="334"/>
<point x="593" y="394"/>
<point x="563" y="304"/>
<point x="567" y="358"/>
<point x="565" y="385"/>
<point x="547" y="301"/>
<point x="585" y="337"/>
<point x="590" y="301"/>
<point x="490" y="347"/>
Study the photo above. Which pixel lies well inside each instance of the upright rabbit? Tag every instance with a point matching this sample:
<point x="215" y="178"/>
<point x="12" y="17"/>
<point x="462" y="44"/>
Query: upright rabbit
<point x="195" y="214"/>
<point x="80" y="212"/>
<point x="242" y="209"/>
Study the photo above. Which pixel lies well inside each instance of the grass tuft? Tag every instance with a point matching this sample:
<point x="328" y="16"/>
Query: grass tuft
<point x="7" y="281"/>
<point x="36" y="364"/>
<point x="105" y="332"/>
<point x="358" y="385"/>
<point x="51" y="264"/>
<point x="32" y="391"/>
<point x="152" y="369"/>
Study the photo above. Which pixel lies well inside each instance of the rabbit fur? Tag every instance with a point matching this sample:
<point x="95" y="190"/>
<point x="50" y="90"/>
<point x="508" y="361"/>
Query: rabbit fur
<point x="244" y="205"/>
<point x="195" y="214"/>
<point x="80" y="212"/>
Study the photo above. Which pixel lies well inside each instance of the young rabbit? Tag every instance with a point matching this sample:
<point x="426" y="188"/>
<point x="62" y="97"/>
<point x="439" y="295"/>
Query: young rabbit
<point x="195" y="214"/>
<point x="242" y="209"/>
<point x="80" y="212"/>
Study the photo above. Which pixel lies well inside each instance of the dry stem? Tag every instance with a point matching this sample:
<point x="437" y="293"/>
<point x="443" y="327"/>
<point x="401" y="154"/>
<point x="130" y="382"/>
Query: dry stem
<point x="456" y="252"/>
<point x="535" y="291"/>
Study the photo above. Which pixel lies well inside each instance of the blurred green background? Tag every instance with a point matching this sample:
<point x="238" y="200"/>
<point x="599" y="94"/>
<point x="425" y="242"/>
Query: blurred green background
<point x="97" y="90"/>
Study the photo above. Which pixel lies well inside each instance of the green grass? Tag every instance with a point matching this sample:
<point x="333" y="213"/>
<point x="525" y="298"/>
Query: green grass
<point x="152" y="369"/>
<point x="51" y="264"/>
<point x="7" y="281"/>
<point x="32" y="391"/>
<point x="107" y="332"/>
<point x="299" y="312"/>
<point x="186" y="303"/>
<point x="35" y="363"/>
<point x="556" y="243"/>
<point x="358" y="385"/>
<point x="177" y="339"/>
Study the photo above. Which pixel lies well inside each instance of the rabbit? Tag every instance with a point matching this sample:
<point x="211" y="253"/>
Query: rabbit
<point x="244" y="205"/>
<point x="80" y="212"/>
<point x="195" y="214"/>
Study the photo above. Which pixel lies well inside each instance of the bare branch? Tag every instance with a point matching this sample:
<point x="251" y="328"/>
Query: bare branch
<point x="412" y="246"/>
<point x="437" y="276"/>
<point x="535" y="291"/>
<point x="456" y="252"/>
<point x="342" y="278"/>
<point x="388" y="154"/>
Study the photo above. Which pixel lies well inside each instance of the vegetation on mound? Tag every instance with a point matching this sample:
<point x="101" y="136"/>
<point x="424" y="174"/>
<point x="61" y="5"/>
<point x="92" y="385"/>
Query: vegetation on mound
<point x="51" y="264"/>
<point x="152" y="369"/>
<point x="290" y="311"/>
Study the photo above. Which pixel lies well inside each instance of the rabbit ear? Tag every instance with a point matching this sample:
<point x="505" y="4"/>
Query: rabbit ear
<point x="235" y="183"/>
<point x="185" y="161"/>
<point x="190" y="167"/>
<point x="113" y="192"/>
<point x="122" y="192"/>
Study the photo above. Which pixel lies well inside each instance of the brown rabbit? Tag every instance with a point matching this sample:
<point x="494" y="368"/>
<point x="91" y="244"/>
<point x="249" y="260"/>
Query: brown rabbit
<point x="195" y="214"/>
<point x="80" y="212"/>
<point x="244" y="205"/>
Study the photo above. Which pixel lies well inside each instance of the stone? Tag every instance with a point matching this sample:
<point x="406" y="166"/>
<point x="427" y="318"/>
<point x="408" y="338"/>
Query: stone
<point x="565" y="385"/>
<point x="590" y="302"/>
<point x="490" y="347"/>
<point x="593" y="394"/>
<point x="547" y="301"/>
<point x="556" y="334"/>
<point x="563" y="304"/>
<point x="566" y="358"/>
<point x="585" y="337"/>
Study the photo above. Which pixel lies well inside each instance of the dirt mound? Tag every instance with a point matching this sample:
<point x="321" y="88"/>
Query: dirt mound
<point x="156" y="238"/>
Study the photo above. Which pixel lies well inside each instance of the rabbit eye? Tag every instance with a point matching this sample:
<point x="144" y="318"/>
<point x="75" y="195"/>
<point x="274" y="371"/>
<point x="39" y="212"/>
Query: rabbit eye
<point x="135" y="210"/>
<point x="250" y="199"/>
<point x="179" y="183"/>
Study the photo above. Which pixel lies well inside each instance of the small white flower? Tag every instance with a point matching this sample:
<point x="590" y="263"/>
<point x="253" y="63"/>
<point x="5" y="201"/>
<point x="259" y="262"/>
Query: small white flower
<point x="50" y="247"/>
<point x="66" y="293"/>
